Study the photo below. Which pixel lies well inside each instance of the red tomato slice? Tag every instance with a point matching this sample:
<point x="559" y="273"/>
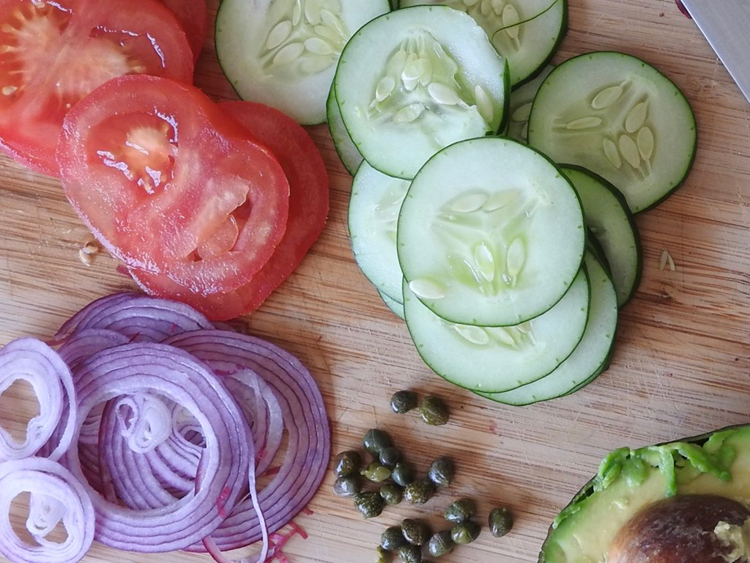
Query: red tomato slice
<point x="193" y="18"/>
<point x="54" y="53"/>
<point x="308" y="209"/>
<point x="170" y="184"/>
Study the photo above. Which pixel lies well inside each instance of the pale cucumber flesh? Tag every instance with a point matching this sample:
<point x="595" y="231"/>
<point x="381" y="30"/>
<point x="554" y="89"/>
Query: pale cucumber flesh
<point x="589" y="357"/>
<point x="519" y="111"/>
<point x="422" y="78"/>
<point x="345" y="147"/>
<point x="374" y="207"/>
<point x="607" y="215"/>
<point x="620" y="118"/>
<point x="283" y="53"/>
<point x="526" y="32"/>
<point x="491" y="233"/>
<point x="496" y="359"/>
<point x="396" y="307"/>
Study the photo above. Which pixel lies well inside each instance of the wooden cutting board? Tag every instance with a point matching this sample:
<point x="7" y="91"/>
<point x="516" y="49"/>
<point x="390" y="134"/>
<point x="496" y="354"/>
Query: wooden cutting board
<point x="682" y="364"/>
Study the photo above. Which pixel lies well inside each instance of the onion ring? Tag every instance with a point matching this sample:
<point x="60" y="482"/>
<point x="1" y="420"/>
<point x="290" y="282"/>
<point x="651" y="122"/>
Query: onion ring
<point x="56" y="497"/>
<point x="178" y="377"/>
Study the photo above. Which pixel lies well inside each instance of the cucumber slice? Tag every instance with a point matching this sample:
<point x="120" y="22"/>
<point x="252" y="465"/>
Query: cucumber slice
<point x="526" y="32"/>
<point x="620" y="118"/>
<point x="607" y="215"/>
<point x="589" y="357"/>
<point x="521" y="101"/>
<point x="411" y="82"/>
<point x="283" y="53"/>
<point x="373" y="216"/>
<point x="395" y="307"/>
<point x="345" y="147"/>
<point x="490" y="233"/>
<point x="496" y="359"/>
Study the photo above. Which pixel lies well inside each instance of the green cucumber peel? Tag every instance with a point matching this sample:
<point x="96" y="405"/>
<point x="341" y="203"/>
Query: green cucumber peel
<point x="532" y="18"/>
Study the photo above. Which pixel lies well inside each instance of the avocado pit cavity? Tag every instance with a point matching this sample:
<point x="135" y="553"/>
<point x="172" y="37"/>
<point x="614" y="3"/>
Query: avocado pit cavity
<point x="685" y="529"/>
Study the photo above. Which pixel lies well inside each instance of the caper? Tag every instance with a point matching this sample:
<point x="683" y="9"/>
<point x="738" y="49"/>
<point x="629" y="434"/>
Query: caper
<point x="465" y="533"/>
<point x="347" y="463"/>
<point x="376" y="473"/>
<point x="419" y="492"/>
<point x="383" y="555"/>
<point x="460" y="511"/>
<point x="410" y="553"/>
<point x="403" y="474"/>
<point x="390" y="456"/>
<point x="369" y="504"/>
<point x="440" y="544"/>
<point x="347" y="486"/>
<point x="433" y="411"/>
<point x="403" y="401"/>
<point x="415" y="532"/>
<point x="391" y="493"/>
<point x="501" y="522"/>
<point x="442" y="471"/>
<point x="376" y="440"/>
<point x="392" y="538"/>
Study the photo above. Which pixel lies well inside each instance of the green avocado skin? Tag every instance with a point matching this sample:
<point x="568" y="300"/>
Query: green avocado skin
<point x="629" y="479"/>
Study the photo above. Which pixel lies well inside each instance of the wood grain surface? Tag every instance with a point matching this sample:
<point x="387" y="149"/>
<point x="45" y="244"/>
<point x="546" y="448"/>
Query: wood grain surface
<point x="682" y="364"/>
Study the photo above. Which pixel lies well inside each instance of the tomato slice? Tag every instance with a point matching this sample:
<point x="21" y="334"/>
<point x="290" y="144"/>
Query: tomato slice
<point x="54" y="53"/>
<point x="308" y="209"/>
<point x="194" y="20"/>
<point x="170" y="184"/>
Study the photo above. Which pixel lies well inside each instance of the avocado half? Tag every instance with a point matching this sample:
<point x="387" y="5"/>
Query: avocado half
<point x="706" y="477"/>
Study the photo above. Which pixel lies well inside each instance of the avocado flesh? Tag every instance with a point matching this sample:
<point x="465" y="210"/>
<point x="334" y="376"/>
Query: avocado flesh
<point x="629" y="480"/>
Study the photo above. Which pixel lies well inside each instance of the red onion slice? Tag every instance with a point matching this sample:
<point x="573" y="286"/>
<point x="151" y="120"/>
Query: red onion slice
<point x="31" y="360"/>
<point x="308" y="446"/>
<point x="178" y="377"/>
<point x="55" y="496"/>
<point x="142" y="319"/>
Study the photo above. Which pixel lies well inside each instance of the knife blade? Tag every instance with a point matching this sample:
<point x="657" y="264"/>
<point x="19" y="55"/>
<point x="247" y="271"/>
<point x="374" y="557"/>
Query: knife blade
<point x="726" y="25"/>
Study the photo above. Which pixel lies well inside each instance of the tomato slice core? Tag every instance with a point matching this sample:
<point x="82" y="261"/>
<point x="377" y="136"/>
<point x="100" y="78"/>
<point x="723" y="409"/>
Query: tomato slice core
<point x="169" y="184"/>
<point x="52" y="54"/>
<point x="308" y="209"/>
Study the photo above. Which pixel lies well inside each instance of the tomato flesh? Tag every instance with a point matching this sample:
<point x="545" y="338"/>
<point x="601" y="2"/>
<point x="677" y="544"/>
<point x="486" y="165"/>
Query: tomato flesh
<point x="308" y="209"/>
<point x="169" y="184"/>
<point x="52" y="54"/>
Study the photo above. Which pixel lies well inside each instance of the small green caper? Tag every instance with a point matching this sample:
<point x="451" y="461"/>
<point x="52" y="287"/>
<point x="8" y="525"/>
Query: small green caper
<point x="415" y="532"/>
<point x="403" y="474"/>
<point x="390" y="456"/>
<point x="376" y="473"/>
<point x="347" y="486"/>
<point x="392" y="538"/>
<point x="440" y="544"/>
<point x="434" y="411"/>
<point x="369" y="504"/>
<point x="410" y="553"/>
<point x="501" y="522"/>
<point x="419" y="492"/>
<point x="403" y="401"/>
<point x="383" y="555"/>
<point x="465" y="533"/>
<point x="391" y="493"/>
<point x="376" y="440"/>
<point x="460" y="511"/>
<point x="442" y="471"/>
<point x="347" y="463"/>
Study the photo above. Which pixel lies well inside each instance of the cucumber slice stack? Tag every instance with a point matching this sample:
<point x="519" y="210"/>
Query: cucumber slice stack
<point x="507" y="258"/>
